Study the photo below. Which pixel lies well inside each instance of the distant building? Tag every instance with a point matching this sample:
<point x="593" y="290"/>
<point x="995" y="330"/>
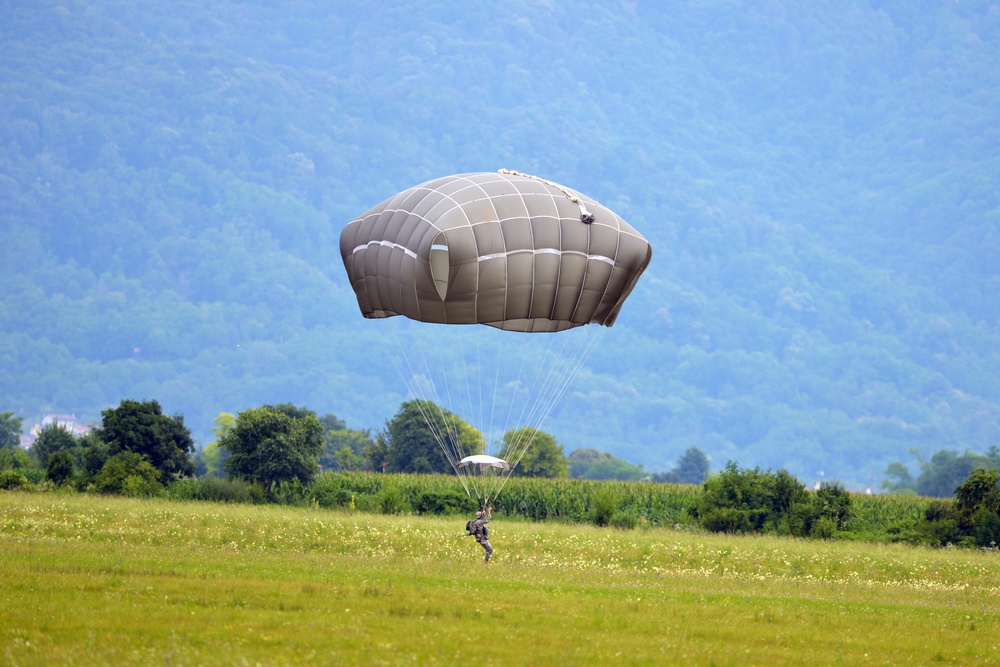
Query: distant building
<point x="66" y="422"/>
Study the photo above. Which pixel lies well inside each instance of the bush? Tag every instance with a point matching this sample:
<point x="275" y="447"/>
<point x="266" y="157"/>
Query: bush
<point x="130" y="474"/>
<point x="217" y="489"/>
<point x="824" y="528"/>
<point x="740" y="501"/>
<point x="289" y="492"/>
<point x="391" y="500"/>
<point x="604" y="508"/>
<point x="624" y="520"/>
<point x="60" y="467"/>
<point x="332" y="490"/>
<point x="833" y="501"/>
<point x="732" y="520"/>
<point x="986" y="530"/>
<point x="12" y="479"/>
<point x="444" y="502"/>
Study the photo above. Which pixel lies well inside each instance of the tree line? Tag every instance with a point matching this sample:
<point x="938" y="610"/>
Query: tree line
<point x="275" y="453"/>
<point x="137" y="449"/>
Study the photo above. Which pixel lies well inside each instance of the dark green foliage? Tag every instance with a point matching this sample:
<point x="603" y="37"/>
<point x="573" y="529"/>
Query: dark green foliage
<point x="53" y="438"/>
<point x="60" y="466"/>
<point x="217" y="489"/>
<point x="744" y="500"/>
<point x="92" y="454"/>
<point x="343" y="448"/>
<point x="413" y="446"/>
<point x="289" y="492"/>
<point x="129" y="474"/>
<point x="979" y="492"/>
<point x="14" y="458"/>
<point x="391" y="500"/>
<point x="543" y="456"/>
<point x="986" y="528"/>
<point x="444" y="502"/>
<point x="945" y="471"/>
<point x="940" y="526"/>
<point x="274" y="444"/>
<point x="12" y="479"/>
<point x="605" y="505"/>
<point x="142" y="428"/>
<point x="832" y="503"/>
<point x="330" y="490"/>
<point x="972" y="518"/>
<point x="732" y="519"/>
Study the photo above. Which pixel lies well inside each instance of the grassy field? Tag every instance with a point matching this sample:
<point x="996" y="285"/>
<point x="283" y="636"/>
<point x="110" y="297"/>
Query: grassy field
<point x="89" y="580"/>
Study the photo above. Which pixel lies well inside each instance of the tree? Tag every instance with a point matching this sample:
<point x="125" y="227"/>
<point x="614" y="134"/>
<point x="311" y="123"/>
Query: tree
<point x="898" y="479"/>
<point x="53" y="438"/>
<point x="594" y="464"/>
<point x="10" y="430"/>
<point x="343" y="448"/>
<point x="60" y="466"/>
<point x="14" y="458"/>
<point x="945" y="471"/>
<point x="978" y="494"/>
<point x="692" y="467"/>
<point x="376" y="454"/>
<point x="738" y="501"/>
<point x="142" y="428"/>
<point x="543" y="456"/>
<point x="413" y="446"/>
<point x="274" y="444"/>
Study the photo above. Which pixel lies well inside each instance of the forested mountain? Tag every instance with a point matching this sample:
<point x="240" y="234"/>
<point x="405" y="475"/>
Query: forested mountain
<point x="819" y="183"/>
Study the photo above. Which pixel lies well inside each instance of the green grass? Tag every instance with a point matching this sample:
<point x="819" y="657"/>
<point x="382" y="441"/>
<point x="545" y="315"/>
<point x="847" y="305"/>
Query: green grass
<point x="93" y="580"/>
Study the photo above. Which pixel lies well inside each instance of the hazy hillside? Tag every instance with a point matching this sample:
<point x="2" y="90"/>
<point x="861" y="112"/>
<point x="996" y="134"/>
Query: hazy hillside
<point x="820" y="186"/>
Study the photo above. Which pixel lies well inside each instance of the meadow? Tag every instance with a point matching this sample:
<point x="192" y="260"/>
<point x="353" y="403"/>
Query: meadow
<point x="94" y="580"/>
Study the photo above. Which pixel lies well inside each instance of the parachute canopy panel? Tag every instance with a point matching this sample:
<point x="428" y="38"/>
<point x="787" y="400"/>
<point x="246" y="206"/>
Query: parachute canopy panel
<point x="503" y="249"/>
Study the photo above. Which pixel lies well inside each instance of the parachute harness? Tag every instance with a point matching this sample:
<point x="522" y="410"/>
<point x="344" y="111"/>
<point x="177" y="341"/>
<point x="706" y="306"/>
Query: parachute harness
<point x="586" y="217"/>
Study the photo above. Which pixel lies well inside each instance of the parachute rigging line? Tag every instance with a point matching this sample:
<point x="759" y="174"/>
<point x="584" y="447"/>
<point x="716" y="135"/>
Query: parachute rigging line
<point x="498" y="397"/>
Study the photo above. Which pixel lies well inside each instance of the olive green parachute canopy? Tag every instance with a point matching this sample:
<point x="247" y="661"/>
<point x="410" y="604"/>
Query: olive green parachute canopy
<point x="504" y="249"/>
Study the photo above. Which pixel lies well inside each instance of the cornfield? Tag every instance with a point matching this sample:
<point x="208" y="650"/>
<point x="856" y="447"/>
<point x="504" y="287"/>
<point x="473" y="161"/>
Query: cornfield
<point x="574" y="500"/>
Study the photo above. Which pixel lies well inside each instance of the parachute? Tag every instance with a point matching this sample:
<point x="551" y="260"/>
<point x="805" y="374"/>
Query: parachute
<point x="508" y="250"/>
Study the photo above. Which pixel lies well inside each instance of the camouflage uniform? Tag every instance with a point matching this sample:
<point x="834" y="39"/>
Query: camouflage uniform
<point x="479" y="530"/>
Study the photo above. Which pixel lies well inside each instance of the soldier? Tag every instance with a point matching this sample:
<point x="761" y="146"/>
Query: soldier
<point x="482" y="532"/>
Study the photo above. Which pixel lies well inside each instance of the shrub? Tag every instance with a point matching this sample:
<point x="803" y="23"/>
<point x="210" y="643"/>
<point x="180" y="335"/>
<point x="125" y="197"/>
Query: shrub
<point x="604" y="508"/>
<point x="289" y="492"/>
<point x="444" y="502"/>
<point x="833" y="501"/>
<point x="732" y="520"/>
<point x="986" y="530"/>
<point x="824" y="528"/>
<point x="114" y="476"/>
<point x="624" y="520"/>
<point x="60" y="467"/>
<point x="737" y="501"/>
<point x="12" y="479"/>
<point x="391" y="500"/>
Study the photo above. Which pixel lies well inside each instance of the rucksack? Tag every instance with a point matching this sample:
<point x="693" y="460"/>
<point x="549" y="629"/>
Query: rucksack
<point x="470" y="527"/>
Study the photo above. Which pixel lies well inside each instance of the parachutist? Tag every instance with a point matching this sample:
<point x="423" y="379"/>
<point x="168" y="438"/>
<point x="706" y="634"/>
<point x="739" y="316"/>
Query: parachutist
<point x="481" y="531"/>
